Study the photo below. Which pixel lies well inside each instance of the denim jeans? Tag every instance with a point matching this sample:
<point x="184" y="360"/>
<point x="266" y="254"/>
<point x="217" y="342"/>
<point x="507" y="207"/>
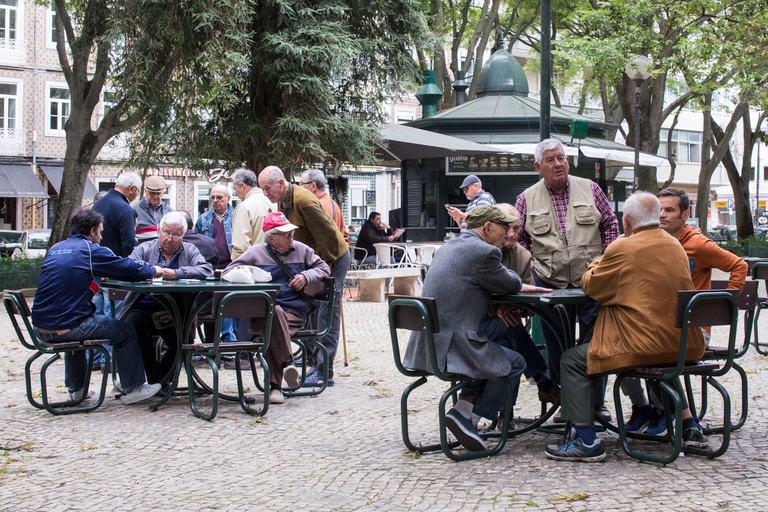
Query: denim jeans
<point x="492" y="393"/>
<point x="331" y="340"/>
<point x="121" y="336"/>
<point x="102" y="308"/>
<point x="516" y="338"/>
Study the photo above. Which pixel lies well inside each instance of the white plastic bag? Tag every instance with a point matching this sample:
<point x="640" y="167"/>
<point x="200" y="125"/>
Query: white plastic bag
<point x="260" y="275"/>
<point x="248" y="275"/>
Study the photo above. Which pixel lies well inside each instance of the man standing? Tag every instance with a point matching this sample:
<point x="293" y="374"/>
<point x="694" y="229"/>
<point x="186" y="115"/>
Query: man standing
<point x="374" y="231"/>
<point x="63" y="310"/>
<point x="297" y="268"/>
<point x="316" y="229"/>
<point x="249" y="214"/>
<point x="473" y="189"/>
<point x="636" y="281"/>
<point x="119" y="233"/>
<point x="151" y="208"/>
<point x="470" y="263"/>
<point x="216" y="223"/>
<point x="567" y="223"/>
<point x="703" y="255"/>
<point x="178" y="260"/>
<point x="314" y="181"/>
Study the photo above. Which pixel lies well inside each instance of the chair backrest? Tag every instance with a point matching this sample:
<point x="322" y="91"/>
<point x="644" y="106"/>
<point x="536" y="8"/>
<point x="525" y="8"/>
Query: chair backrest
<point x="759" y="269"/>
<point x="406" y="314"/>
<point x="747" y="297"/>
<point x="244" y="304"/>
<point x="327" y="291"/>
<point x="114" y="295"/>
<point x="358" y="253"/>
<point x="17" y="308"/>
<point x="710" y="307"/>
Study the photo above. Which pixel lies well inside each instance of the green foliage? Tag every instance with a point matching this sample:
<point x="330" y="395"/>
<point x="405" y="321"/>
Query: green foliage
<point x="312" y="91"/>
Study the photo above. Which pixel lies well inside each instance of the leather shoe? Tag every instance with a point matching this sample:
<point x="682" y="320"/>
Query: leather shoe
<point x="276" y="397"/>
<point x="603" y="412"/>
<point x="551" y="396"/>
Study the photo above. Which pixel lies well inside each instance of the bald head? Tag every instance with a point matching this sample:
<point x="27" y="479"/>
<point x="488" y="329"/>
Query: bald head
<point x="272" y="182"/>
<point x="513" y="234"/>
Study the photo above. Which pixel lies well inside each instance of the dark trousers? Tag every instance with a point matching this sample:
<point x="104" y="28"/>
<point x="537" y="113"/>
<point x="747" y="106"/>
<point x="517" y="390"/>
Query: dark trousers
<point x="285" y="323"/>
<point x="157" y="371"/>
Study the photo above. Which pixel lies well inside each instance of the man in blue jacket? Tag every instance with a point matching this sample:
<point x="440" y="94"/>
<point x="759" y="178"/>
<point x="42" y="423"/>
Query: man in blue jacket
<point x="63" y="309"/>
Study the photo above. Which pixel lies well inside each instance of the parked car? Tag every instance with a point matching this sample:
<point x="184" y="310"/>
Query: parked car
<point x="716" y="237"/>
<point x="34" y="243"/>
<point x="728" y="232"/>
<point x="761" y="231"/>
<point x="9" y="241"/>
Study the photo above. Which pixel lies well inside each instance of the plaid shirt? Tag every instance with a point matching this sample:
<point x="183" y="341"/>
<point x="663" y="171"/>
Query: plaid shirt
<point x="609" y="224"/>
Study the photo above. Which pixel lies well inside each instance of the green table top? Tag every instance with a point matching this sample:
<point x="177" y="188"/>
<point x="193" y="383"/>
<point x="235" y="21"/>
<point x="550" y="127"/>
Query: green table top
<point x="186" y="285"/>
<point x="560" y="296"/>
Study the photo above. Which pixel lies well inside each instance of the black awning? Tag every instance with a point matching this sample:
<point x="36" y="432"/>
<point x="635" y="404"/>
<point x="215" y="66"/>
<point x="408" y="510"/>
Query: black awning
<point x="20" y="181"/>
<point x="54" y="176"/>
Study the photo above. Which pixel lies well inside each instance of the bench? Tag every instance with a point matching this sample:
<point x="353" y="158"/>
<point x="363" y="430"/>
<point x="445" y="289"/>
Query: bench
<point x="372" y="282"/>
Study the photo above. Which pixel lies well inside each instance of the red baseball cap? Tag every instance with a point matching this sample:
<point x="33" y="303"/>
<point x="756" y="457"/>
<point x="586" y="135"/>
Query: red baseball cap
<point x="278" y="221"/>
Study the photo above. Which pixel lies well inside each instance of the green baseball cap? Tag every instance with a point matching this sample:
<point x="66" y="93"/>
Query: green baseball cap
<point x="482" y="214"/>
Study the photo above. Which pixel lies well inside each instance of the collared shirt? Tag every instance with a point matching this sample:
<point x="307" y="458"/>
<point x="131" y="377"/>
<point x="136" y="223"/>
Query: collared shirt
<point x="609" y="225"/>
<point x="173" y="263"/>
<point x="482" y="198"/>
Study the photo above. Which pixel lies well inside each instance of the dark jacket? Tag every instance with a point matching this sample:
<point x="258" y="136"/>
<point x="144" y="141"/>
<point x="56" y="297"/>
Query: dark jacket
<point x="147" y="224"/>
<point x="369" y="235"/>
<point x="206" y="246"/>
<point x="119" y="225"/>
<point x="70" y="276"/>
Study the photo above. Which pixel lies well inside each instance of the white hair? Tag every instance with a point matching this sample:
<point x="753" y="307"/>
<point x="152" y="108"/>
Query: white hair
<point x="272" y="231"/>
<point x="126" y="179"/>
<point x="315" y="176"/>
<point x="546" y="145"/>
<point x="643" y="209"/>
<point x="173" y="219"/>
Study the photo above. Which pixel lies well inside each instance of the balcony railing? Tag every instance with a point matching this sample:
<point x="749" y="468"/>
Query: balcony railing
<point x="13" y="52"/>
<point x="11" y="142"/>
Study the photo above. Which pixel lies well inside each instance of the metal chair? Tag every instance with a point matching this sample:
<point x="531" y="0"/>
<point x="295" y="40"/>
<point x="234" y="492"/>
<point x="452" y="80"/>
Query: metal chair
<point x="309" y="336"/>
<point x="19" y="313"/>
<point x="420" y="314"/>
<point x="760" y="272"/>
<point x="243" y="304"/>
<point x="695" y="309"/>
<point x="747" y="303"/>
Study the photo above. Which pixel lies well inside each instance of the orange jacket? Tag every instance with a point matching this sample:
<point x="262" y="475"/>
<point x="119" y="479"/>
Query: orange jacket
<point x="704" y="255"/>
<point x="335" y="212"/>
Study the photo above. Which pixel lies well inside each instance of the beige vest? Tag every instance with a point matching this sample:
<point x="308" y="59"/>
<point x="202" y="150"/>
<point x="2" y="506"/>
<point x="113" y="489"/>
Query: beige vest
<point x="562" y="261"/>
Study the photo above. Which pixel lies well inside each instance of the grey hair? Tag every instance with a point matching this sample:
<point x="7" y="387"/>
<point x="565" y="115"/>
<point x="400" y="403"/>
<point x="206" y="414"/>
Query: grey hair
<point x="273" y="173"/>
<point x="546" y="145"/>
<point x="272" y="231"/>
<point x="643" y="209"/>
<point x="317" y="177"/>
<point x="126" y="179"/>
<point x="245" y="177"/>
<point x="173" y="219"/>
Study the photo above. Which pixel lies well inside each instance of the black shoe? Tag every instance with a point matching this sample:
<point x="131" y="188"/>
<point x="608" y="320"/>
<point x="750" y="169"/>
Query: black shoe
<point x="693" y="437"/>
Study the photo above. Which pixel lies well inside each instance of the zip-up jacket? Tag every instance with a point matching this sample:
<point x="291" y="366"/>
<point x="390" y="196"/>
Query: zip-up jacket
<point x="146" y="229"/>
<point x="70" y="276"/>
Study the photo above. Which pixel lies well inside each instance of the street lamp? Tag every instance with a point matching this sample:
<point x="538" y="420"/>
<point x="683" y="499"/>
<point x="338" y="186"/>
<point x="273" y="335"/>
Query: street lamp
<point x="638" y="70"/>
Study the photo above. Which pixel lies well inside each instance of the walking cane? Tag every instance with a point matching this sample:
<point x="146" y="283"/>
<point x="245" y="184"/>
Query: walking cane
<point x="344" y="333"/>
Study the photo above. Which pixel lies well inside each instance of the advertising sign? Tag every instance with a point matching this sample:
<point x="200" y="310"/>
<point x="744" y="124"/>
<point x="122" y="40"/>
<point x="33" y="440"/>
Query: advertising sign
<point x="491" y="163"/>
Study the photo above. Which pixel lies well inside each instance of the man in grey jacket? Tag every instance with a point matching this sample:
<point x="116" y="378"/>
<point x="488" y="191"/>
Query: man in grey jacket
<point x="179" y="260"/>
<point x="462" y="278"/>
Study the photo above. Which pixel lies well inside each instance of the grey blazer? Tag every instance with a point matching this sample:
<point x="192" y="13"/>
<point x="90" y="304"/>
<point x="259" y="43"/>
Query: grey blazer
<point x="465" y="272"/>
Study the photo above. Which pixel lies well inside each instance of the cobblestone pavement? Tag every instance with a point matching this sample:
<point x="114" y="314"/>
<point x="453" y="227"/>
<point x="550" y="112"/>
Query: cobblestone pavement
<point x="339" y="451"/>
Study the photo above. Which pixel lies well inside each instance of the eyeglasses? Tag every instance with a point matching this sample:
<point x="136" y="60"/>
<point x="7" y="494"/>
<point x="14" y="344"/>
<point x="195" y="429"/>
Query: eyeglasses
<point x="218" y="198"/>
<point x="504" y="224"/>
<point x="175" y="238"/>
<point x="302" y="183"/>
<point x="287" y="234"/>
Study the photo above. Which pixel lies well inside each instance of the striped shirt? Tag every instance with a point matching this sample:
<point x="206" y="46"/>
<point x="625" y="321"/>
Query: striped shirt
<point x="609" y="224"/>
<point x="483" y="198"/>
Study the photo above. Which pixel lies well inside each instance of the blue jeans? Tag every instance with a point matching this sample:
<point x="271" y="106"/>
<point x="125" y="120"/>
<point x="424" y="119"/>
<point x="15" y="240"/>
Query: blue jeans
<point x="331" y="340"/>
<point x="121" y="336"/>
<point x="102" y="308"/>
<point x="516" y="338"/>
<point x="492" y="393"/>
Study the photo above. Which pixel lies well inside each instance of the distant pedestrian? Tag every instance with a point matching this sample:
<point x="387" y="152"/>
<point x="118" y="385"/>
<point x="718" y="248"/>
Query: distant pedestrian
<point x="473" y="189"/>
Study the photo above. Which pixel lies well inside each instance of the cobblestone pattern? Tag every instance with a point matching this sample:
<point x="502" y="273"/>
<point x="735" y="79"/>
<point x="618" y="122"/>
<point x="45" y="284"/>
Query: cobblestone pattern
<point x="339" y="451"/>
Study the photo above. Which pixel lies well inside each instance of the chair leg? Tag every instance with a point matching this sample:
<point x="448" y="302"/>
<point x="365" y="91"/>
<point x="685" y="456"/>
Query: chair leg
<point x="761" y="304"/>
<point x="315" y="391"/>
<point x="241" y="392"/>
<point x="70" y="407"/>
<point x="214" y="388"/>
<point x="726" y="430"/>
<point x="28" y="380"/>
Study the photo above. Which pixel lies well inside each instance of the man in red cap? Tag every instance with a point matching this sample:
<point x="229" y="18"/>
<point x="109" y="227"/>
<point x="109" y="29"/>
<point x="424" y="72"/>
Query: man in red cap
<point x="295" y="266"/>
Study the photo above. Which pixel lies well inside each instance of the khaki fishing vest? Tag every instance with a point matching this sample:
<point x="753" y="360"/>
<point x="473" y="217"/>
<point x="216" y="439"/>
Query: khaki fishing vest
<point x="557" y="261"/>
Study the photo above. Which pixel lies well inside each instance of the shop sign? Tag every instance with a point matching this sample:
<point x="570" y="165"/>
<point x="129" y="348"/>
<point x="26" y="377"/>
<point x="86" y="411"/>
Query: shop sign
<point x="491" y="163"/>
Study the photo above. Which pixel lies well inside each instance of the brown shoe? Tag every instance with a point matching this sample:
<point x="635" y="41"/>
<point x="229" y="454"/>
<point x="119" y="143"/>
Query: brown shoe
<point x="500" y="421"/>
<point x="551" y="396"/>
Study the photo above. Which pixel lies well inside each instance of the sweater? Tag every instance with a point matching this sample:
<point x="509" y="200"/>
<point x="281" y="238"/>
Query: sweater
<point x="119" y="232"/>
<point x="704" y="255"/>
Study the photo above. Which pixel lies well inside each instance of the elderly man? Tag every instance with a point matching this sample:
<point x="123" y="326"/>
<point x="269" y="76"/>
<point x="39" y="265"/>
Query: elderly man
<point x="297" y="268"/>
<point x="151" y="209"/>
<point x="636" y="282"/>
<point x="473" y="189"/>
<point x="249" y="214"/>
<point x="178" y="260"/>
<point x="567" y="223"/>
<point x="63" y="310"/>
<point x="374" y="231"/>
<point x="502" y="323"/>
<point x="216" y="223"/>
<point x="119" y="233"/>
<point x="703" y="256"/>
<point x="314" y="181"/>
<point x="317" y="230"/>
<point x="472" y="264"/>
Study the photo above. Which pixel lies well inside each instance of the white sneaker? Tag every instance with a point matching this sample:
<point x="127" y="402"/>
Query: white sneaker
<point x="276" y="397"/>
<point x="140" y="393"/>
<point x="291" y="376"/>
<point x="74" y="396"/>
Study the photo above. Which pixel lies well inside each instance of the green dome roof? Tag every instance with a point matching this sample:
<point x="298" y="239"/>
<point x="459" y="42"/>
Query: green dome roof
<point x="501" y="75"/>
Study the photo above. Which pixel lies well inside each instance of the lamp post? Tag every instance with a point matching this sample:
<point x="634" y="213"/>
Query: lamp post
<point x="638" y="70"/>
